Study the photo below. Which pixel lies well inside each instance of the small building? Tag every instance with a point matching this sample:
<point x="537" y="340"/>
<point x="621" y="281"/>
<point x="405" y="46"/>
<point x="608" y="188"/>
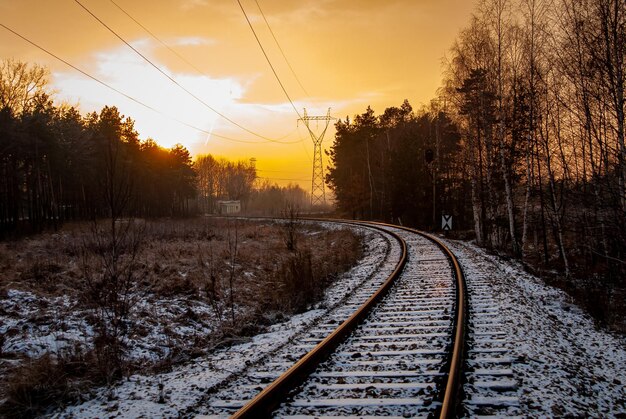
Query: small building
<point x="228" y="207"/>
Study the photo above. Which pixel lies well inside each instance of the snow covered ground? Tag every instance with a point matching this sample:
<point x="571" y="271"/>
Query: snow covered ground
<point x="181" y="391"/>
<point x="563" y="363"/>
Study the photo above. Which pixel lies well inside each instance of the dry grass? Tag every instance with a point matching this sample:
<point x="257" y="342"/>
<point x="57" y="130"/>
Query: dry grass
<point x="184" y="271"/>
<point x="41" y="383"/>
<point x="174" y="257"/>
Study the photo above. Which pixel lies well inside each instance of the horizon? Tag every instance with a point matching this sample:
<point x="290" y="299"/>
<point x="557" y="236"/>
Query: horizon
<point x="344" y="56"/>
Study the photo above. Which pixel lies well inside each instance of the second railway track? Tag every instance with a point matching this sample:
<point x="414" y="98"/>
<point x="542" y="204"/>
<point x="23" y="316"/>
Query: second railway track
<point x="398" y="353"/>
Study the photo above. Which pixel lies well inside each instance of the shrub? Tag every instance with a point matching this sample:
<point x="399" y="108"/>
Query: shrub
<point x="35" y="386"/>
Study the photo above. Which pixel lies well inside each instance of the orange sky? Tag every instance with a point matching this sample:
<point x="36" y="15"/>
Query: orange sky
<point x="348" y="54"/>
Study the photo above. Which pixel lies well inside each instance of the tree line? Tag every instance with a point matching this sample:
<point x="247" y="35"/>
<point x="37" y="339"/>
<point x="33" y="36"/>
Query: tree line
<point x="221" y="179"/>
<point x="537" y="90"/>
<point x="530" y="126"/>
<point x="57" y="165"/>
<point x="400" y="166"/>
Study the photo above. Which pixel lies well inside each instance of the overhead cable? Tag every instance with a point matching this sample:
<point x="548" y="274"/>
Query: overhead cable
<point x="275" y="74"/>
<point x="137" y="100"/>
<point x="283" y="179"/>
<point x="280" y="48"/>
<point x="173" y="51"/>
<point x="267" y="58"/>
<point x="168" y="76"/>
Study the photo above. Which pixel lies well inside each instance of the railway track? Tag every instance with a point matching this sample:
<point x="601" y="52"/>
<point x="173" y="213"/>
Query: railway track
<point x="394" y="348"/>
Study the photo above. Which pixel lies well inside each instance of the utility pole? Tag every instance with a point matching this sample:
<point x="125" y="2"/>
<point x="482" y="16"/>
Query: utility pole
<point x="433" y="161"/>
<point x="435" y="171"/>
<point x="318" y="194"/>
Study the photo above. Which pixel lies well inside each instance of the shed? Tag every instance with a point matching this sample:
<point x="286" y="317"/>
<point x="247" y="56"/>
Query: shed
<point x="228" y="207"/>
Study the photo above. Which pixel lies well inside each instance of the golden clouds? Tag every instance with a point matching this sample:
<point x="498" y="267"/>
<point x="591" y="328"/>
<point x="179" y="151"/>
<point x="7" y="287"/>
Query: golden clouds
<point x="348" y="54"/>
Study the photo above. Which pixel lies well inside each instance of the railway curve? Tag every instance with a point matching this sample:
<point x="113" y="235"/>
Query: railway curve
<point x="397" y="352"/>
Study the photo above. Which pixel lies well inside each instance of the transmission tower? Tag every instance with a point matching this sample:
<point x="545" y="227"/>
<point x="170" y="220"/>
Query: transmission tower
<point x="318" y="195"/>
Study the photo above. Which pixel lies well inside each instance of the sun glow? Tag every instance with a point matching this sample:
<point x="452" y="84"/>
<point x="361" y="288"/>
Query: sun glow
<point x="177" y="117"/>
<point x="172" y="108"/>
<point x="341" y="61"/>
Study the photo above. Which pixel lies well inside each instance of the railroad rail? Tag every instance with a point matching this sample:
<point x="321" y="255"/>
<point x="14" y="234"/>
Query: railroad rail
<point x="398" y="353"/>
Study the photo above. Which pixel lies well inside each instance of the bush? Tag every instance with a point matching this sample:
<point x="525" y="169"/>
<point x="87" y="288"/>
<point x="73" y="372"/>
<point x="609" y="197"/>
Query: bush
<point x="298" y="285"/>
<point x="36" y="386"/>
<point x="304" y="275"/>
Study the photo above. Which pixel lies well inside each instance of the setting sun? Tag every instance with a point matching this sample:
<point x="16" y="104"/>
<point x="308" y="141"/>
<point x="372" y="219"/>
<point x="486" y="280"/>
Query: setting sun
<point x="346" y="56"/>
<point x="312" y="208"/>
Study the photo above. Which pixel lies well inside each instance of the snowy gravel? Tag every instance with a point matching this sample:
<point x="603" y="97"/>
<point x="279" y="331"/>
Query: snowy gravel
<point x="391" y="364"/>
<point x="563" y="363"/>
<point x="180" y="392"/>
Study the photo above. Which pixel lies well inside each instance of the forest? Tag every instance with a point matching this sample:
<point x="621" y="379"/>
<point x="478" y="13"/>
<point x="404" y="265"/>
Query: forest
<point x="524" y="144"/>
<point x="222" y="179"/>
<point x="390" y="167"/>
<point x="57" y="165"/>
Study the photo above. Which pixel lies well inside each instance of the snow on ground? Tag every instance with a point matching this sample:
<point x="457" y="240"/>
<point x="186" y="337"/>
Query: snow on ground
<point x="178" y="392"/>
<point x="34" y="325"/>
<point x="565" y="365"/>
<point x="30" y="328"/>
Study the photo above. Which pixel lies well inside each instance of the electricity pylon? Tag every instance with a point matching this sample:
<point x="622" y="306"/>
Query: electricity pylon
<point x="318" y="194"/>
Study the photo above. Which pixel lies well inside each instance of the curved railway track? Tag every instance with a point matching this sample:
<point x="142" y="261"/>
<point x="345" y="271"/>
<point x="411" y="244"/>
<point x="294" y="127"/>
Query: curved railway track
<point x="394" y="348"/>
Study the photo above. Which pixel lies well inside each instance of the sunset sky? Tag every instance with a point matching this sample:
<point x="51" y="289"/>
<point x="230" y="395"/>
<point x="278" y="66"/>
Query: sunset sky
<point x="347" y="54"/>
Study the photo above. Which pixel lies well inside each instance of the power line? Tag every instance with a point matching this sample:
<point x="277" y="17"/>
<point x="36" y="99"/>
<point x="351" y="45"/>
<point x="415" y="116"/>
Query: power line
<point x="283" y="179"/>
<point x="274" y="71"/>
<point x="191" y="64"/>
<point x="168" y="76"/>
<point x="158" y="39"/>
<point x="277" y="171"/>
<point x="318" y="194"/>
<point x="267" y="58"/>
<point x="182" y="58"/>
<point x="280" y="48"/>
<point x="134" y="99"/>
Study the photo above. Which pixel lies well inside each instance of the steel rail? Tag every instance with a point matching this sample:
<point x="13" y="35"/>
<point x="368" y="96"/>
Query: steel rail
<point x="270" y="398"/>
<point x="451" y="399"/>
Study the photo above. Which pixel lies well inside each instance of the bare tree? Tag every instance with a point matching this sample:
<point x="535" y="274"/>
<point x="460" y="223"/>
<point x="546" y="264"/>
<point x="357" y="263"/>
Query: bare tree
<point x="233" y="248"/>
<point x="291" y="225"/>
<point x="22" y="85"/>
<point x="111" y="283"/>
